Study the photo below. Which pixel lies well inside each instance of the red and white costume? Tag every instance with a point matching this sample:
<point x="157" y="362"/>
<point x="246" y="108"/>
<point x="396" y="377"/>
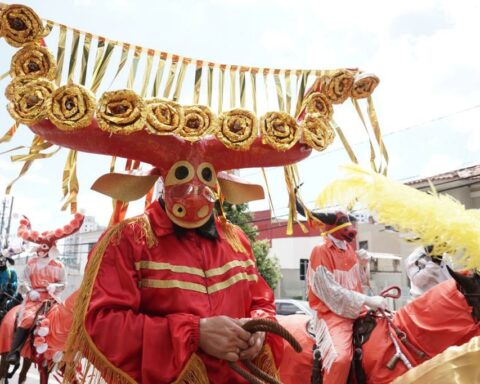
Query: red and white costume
<point x="335" y="293"/>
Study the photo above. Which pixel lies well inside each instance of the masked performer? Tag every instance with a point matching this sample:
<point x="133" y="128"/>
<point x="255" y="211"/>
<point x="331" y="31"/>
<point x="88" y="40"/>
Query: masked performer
<point x="44" y="278"/>
<point x="425" y="269"/>
<point x="335" y="278"/>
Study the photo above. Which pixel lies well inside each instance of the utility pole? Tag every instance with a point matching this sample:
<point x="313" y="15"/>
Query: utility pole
<point x="2" y="221"/>
<point x="7" y="235"/>
<point x="5" y="220"/>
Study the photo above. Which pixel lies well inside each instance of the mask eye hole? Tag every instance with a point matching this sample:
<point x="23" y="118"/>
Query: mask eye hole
<point x="206" y="174"/>
<point x="178" y="210"/>
<point x="181" y="172"/>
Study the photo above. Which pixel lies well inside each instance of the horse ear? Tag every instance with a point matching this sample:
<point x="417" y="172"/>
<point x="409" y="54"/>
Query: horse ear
<point x="464" y="281"/>
<point x="11" y="261"/>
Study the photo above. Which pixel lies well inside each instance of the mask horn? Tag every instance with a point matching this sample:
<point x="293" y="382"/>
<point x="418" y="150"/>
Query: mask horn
<point x="124" y="187"/>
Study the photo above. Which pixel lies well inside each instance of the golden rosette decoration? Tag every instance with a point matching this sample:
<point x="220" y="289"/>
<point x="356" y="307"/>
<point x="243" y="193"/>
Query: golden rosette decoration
<point x="20" y="25"/>
<point x="320" y="104"/>
<point x="121" y="112"/>
<point x="238" y="129"/>
<point x="16" y="83"/>
<point x="338" y="86"/>
<point x="72" y="107"/>
<point x="364" y="84"/>
<point x="30" y="103"/>
<point x="164" y="116"/>
<point x="33" y="60"/>
<point x="317" y="132"/>
<point x="199" y="121"/>
<point x="279" y="130"/>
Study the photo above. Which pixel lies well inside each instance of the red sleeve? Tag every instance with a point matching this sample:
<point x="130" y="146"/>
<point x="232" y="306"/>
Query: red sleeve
<point x="263" y="305"/>
<point x="151" y="349"/>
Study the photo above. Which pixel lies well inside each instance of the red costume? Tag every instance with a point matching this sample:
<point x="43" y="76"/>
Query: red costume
<point x="157" y="295"/>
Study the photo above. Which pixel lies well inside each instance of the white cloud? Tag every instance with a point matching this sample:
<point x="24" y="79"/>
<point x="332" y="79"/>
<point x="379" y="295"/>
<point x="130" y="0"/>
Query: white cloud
<point x="439" y="163"/>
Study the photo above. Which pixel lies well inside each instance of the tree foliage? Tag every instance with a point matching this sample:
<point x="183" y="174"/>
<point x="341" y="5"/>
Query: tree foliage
<point x="268" y="267"/>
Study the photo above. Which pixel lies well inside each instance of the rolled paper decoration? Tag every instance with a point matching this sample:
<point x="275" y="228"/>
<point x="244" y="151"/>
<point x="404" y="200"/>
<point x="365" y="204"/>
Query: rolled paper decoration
<point x="34" y="60"/>
<point x="319" y="104"/>
<point x="199" y="121"/>
<point x="279" y="130"/>
<point x="30" y="103"/>
<point x="317" y="132"/>
<point x="20" y="25"/>
<point x="121" y="112"/>
<point x="72" y="107"/>
<point x="364" y="84"/>
<point x="164" y="117"/>
<point x="238" y="129"/>
<point x="16" y="83"/>
<point x="338" y="86"/>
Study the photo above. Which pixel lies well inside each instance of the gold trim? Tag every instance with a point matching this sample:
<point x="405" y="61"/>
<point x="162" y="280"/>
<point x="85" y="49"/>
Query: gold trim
<point x="230" y="265"/>
<point x="146" y="264"/>
<point x="151" y="283"/>
<point x="232" y="280"/>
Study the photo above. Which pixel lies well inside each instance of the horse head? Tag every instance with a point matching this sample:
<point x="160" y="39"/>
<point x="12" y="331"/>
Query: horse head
<point x="470" y="287"/>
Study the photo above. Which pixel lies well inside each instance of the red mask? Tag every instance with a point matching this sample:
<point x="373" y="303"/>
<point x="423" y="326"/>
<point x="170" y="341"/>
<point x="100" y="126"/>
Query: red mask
<point x="342" y="228"/>
<point x="190" y="193"/>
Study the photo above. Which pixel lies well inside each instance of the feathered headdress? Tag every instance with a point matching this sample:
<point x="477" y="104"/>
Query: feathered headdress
<point x="436" y="219"/>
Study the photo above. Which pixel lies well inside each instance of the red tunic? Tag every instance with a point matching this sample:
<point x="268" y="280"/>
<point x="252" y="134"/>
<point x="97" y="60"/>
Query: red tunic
<point x="146" y="303"/>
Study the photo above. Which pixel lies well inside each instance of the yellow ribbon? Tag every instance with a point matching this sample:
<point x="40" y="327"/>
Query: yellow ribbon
<point x="372" y="151"/>
<point x="288" y="91"/>
<point x="221" y="79"/>
<point x="133" y="67"/>
<point x="123" y="60"/>
<point x="99" y="72"/>
<point x="344" y="140"/>
<point x="337" y="228"/>
<point x="242" y="87"/>
<point x="61" y="53"/>
<point x="278" y="87"/>
<point x="73" y="55"/>
<point x="159" y="75"/>
<point x="9" y="134"/>
<point x="197" y="82"/>
<point x="147" y="73"/>
<point x="376" y="129"/>
<point x="209" y="84"/>
<point x="180" y="78"/>
<point x="171" y="77"/>
<point x="85" y="54"/>
<point x="253" y="86"/>
<point x="233" y="95"/>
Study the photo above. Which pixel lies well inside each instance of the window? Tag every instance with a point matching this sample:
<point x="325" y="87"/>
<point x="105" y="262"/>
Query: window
<point x="303" y="268"/>
<point x="363" y="244"/>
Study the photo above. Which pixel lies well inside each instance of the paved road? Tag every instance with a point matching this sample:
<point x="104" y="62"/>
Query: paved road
<point x="32" y="378"/>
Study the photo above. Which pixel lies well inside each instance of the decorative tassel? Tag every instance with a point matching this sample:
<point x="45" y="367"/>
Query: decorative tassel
<point x="194" y="372"/>
<point x="79" y="344"/>
<point x="230" y="232"/>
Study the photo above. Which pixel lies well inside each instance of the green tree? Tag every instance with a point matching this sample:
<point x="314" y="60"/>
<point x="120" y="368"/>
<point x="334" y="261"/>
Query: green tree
<point x="268" y="267"/>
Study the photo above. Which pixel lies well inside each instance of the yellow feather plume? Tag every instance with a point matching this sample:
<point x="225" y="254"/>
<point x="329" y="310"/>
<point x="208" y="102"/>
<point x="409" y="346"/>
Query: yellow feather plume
<point x="434" y="218"/>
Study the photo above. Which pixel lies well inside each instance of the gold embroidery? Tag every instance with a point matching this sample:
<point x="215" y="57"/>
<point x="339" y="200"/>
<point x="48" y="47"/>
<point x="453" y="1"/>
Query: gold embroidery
<point x="232" y="280"/>
<point x="145" y="264"/>
<point x="232" y="264"/>
<point x="151" y="283"/>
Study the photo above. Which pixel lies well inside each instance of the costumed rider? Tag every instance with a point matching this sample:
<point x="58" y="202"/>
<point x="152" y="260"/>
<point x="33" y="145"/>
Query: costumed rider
<point x="43" y="277"/>
<point x="334" y="281"/>
<point x="8" y="281"/>
<point x="425" y="269"/>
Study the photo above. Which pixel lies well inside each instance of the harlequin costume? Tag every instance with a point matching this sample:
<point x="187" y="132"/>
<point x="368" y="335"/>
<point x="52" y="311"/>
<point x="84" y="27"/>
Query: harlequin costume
<point x="44" y="278"/>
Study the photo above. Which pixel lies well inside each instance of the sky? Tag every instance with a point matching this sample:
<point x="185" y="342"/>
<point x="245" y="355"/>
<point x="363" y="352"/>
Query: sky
<point x="424" y="52"/>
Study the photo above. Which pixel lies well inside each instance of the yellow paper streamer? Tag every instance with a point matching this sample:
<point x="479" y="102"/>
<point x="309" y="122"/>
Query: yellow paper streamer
<point x="73" y="55"/>
<point x="133" y="67"/>
<point x="70" y="184"/>
<point x="147" y="73"/>
<point x="61" y="53"/>
<point x="301" y="91"/>
<point x="372" y="151"/>
<point x="99" y="73"/>
<point x="253" y="86"/>
<point x="198" y="81"/>
<point x="171" y="76"/>
<point x="209" y="84"/>
<point x="279" y="89"/>
<point x="9" y="134"/>
<point x="233" y="95"/>
<point x="123" y="61"/>
<point x="85" y="54"/>
<point x="159" y="75"/>
<point x="221" y="79"/>
<point x="242" y="86"/>
<point x="376" y="129"/>
<point x="288" y="91"/>
<point x="344" y="141"/>
<point x="180" y="78"/>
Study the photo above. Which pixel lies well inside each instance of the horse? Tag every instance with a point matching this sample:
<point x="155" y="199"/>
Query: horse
<point x="446" y="315"/>
<point x="46" y="342"/>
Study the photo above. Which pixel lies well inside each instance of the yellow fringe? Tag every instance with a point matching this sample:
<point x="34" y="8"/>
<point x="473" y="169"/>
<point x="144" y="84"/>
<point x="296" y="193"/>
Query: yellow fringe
<point x="79" y="343"/>
<point x="266" y="362"/>
<point x="231" y="235"/>
<point x="194" y="372"/>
